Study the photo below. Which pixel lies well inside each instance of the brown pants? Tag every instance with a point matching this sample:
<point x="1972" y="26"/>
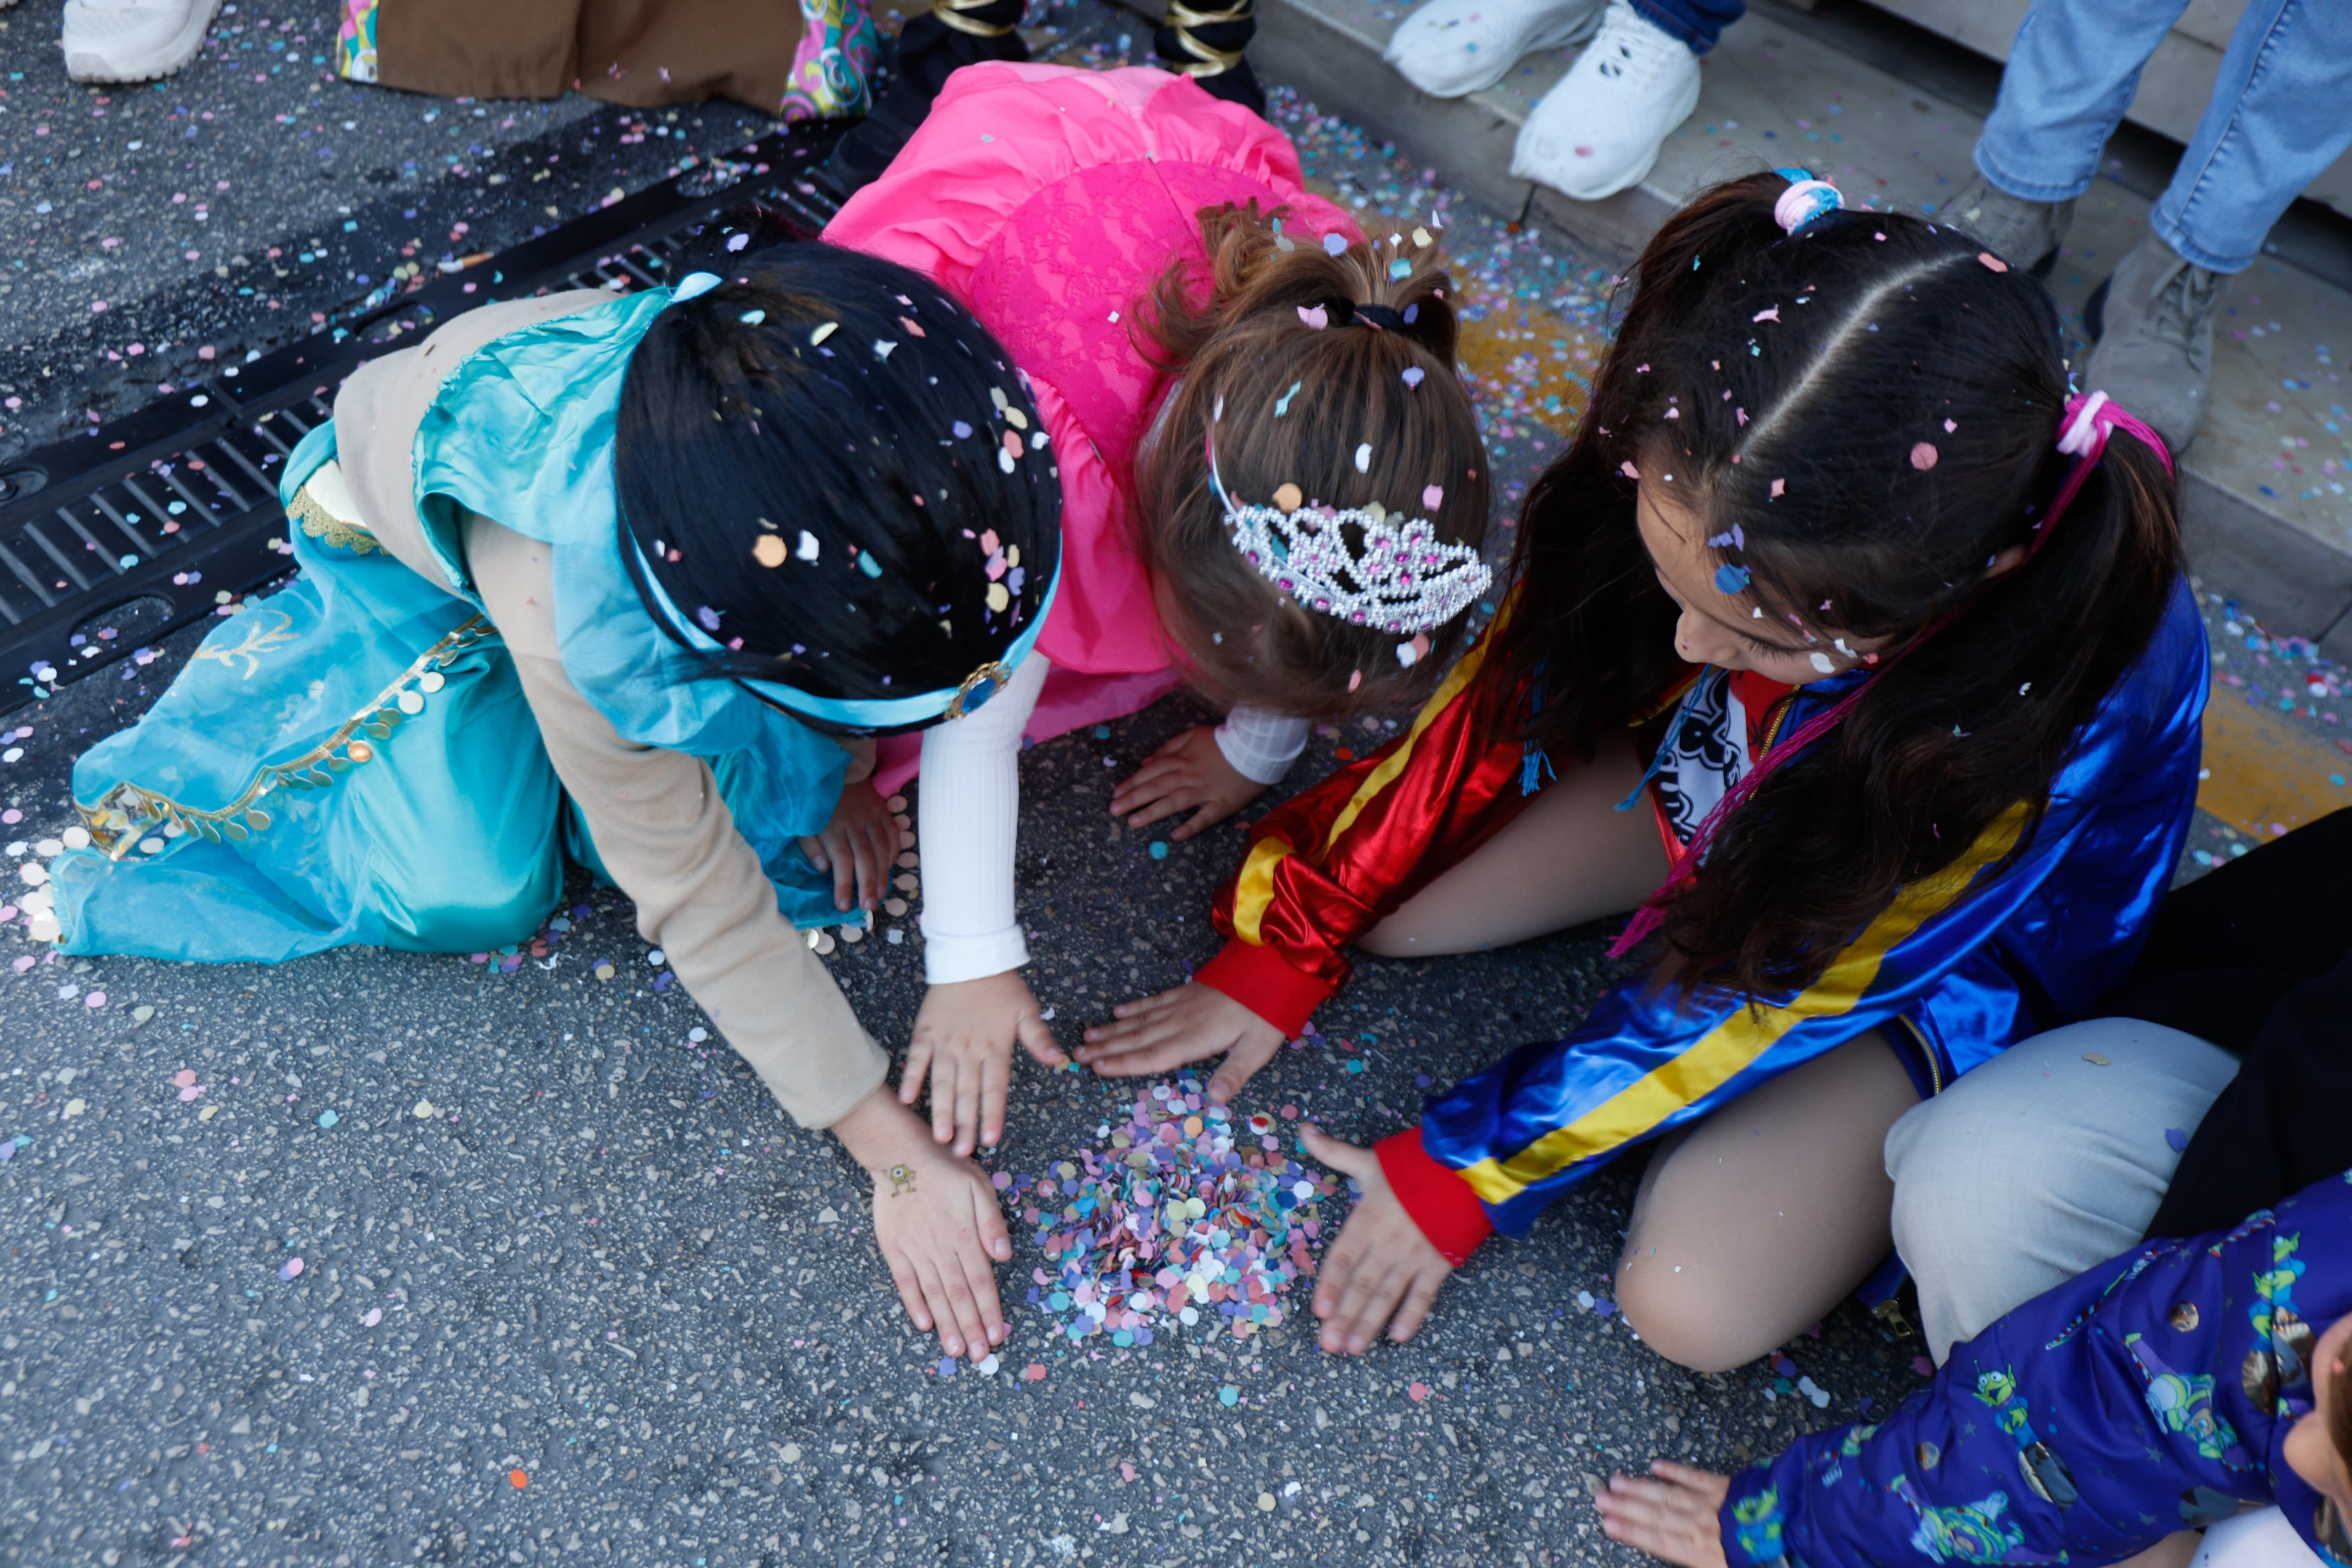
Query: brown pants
<point x="637" y="52"/>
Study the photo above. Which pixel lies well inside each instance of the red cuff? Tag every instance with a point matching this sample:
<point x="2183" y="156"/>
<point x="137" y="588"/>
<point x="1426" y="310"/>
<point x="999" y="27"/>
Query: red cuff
<point x="1263" y="981"/>
<point x="1438" y="1197"/>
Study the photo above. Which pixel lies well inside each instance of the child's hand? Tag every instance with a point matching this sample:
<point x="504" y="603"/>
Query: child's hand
<point x="938" y="1223"/>
<point x="1380" y="1266"/>
<point x="1183" y="1025"/>
<point x="858" y="844"/>
<point x="1672" y="1517"/>
<point x="963" y="1038"/>
<point x="1187" y="771"/>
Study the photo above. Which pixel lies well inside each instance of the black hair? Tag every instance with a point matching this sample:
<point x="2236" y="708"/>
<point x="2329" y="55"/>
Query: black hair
<point x="835" y="470"/>
<point x="1861" y="415"/>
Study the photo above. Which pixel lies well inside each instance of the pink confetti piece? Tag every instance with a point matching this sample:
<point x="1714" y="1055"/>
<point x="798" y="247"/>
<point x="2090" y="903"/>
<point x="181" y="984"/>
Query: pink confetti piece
<point x="95" y="999"/>
<point x="1033" y="1373"/>
<point x="1433" y="496"/>
<point x="1780" y="488"/>
<point x="1628" y="469"/>
<point x="1923" y="456"/>
<point x="1769" y="313"/>
<point x="184" y="1078"/>
<point x="1315" y="316"/>
<point x="191" y="1093"/>
<point x="290" y="1269"/>
<point x="1418" y="1392"/>
<point x="1989" y="260"/>
<point x="375" y="1316"/>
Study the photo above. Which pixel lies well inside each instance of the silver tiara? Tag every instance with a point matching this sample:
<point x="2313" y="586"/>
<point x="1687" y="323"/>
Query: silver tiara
<point x="1396" y="578"/>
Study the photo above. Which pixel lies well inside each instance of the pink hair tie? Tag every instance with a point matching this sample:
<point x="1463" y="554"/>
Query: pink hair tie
<point x="2089" y="420"/>
<point x="1804" y="200"/>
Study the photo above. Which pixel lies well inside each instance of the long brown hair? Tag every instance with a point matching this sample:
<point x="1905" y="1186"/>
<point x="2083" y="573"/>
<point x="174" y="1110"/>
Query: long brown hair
<point x="1783" y="383"/>
<point x="1354" y="415"/>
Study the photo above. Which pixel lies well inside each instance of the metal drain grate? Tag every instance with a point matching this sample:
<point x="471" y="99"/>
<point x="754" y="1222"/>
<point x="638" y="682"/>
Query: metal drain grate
<point x="111" y="541"/>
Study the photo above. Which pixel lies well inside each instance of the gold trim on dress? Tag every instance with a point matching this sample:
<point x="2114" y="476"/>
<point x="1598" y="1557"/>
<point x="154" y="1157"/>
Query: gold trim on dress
<point x="128" y="812"/>
<point x="950" y="12"/>
<point x="321" y="524"/>
<point x="1206" y="60"/>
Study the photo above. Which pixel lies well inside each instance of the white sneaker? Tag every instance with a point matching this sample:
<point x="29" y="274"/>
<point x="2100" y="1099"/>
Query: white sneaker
<point x="133" y="40"/>
<point x="1450" y="47"/>
<point x="1599" y="131"/>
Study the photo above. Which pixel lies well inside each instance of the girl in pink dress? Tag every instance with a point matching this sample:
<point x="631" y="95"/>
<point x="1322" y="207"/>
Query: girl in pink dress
<point x="1225" y="367"/>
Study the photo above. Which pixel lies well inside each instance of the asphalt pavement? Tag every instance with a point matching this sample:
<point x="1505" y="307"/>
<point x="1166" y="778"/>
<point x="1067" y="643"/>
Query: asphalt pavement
<point x="377" y="1257"/>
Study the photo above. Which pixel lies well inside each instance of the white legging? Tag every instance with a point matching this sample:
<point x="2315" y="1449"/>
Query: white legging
<point x="2046" y="1159"/>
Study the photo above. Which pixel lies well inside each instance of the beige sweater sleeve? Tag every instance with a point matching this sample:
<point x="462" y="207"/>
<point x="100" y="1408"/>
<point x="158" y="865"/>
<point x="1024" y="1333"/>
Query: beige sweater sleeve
<point x="667" y="838"/>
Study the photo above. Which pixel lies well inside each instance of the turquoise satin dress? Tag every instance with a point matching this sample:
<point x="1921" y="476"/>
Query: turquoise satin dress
<point x="352" y="760"/>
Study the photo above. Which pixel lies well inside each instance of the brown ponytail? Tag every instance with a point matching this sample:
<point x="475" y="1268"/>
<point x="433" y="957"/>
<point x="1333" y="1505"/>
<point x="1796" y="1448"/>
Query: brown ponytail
<point x="1355" y="407"/>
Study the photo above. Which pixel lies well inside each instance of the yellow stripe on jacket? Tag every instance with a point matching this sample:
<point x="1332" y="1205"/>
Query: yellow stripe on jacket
<point x="1254" y="889"/>
<point x="1732" y="1046"/>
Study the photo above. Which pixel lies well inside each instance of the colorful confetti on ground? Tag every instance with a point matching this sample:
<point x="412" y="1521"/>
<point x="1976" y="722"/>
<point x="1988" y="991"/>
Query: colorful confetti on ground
<point x="1172" y="1218"/>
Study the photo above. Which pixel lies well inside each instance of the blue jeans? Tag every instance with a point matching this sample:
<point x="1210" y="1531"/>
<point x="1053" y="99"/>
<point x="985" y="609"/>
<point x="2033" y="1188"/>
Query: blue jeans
<point x="2281" y="113"/>
<point x="1697" y="23"/>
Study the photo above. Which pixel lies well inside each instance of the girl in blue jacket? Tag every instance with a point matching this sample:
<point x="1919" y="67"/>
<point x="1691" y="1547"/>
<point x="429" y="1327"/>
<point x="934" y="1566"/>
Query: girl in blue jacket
<point x="2171" y="1388"/>
<point x="1849" y="644"/>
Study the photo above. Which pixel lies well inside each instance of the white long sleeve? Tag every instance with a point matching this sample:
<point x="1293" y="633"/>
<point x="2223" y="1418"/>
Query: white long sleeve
<point x="969" y="808"/>
<point x="1261" y="744"/>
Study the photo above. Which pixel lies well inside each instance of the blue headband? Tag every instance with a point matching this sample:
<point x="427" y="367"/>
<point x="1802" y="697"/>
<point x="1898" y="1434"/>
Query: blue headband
<point x="865" y="713"/>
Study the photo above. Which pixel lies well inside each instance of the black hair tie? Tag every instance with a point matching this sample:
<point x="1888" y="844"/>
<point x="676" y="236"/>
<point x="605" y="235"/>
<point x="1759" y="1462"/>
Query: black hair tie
<point x="1378" y="316"/>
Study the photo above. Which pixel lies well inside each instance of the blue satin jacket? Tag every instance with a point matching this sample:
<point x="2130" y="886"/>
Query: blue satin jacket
<point x="1961" y="965"/>
<point x="2151" y="1394"/>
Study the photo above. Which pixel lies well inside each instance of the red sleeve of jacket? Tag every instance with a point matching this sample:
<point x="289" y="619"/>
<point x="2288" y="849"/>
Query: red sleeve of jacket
<point x="1439" y="1198"/>
<point x="1328" y="865"/>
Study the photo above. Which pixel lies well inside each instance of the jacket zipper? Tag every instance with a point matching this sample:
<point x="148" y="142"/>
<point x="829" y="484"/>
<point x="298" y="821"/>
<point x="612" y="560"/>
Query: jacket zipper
<point x="1927" y="1054"/>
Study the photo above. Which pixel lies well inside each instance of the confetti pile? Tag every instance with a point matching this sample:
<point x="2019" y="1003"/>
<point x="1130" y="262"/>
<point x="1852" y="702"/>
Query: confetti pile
<point x="1176" y="1219"/>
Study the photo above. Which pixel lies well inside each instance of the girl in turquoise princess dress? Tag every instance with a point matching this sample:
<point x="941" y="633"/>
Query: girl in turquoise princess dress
<point x="640" y="577"/>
